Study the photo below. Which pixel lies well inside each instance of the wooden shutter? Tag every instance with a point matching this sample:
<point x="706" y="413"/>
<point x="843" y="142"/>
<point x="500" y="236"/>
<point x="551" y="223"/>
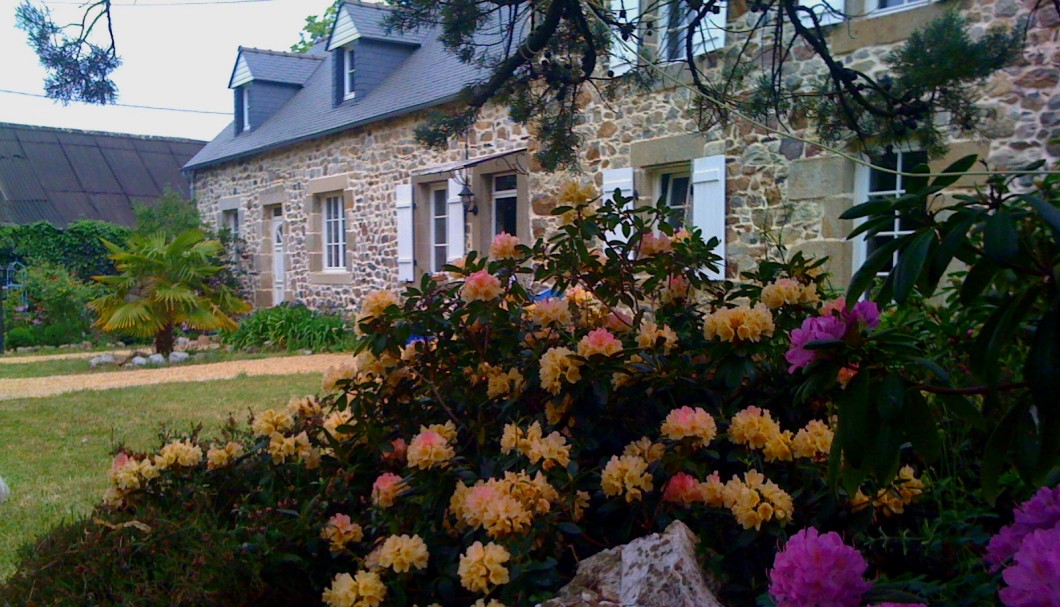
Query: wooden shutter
<point x="405" y="245"/>
<point x="624" y="52"/>
<point x="339" y="83"/>
<point x="620" y="179"/>
<point x="454" y="211"/>
<point x="708" y="204"/>
<point x="711" y="34"/>
<point x="828" y="11"/>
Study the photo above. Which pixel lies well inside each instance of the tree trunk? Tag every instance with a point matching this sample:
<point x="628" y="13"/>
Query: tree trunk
<point x="164" y="340"/>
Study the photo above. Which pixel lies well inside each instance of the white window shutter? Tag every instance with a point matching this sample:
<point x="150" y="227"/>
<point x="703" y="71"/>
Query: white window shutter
<point x="828" y="12"/>
<point x="711" y="34"/>
<point x="620" y="179"/>
<point x="454" y="210"/>
<point x="623" y="52"/>
<point x="405" y="257"/>
<point x="708" y="204"/>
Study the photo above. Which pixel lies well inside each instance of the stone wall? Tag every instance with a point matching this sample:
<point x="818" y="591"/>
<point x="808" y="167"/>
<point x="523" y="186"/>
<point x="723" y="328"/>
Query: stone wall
<point x="778" y="188"/>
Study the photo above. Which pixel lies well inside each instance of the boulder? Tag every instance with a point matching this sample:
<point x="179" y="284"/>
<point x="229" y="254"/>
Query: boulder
<point x="102" y="359"/>
<point x="138" y="361"/>
<point x="178" y="357"/>
<point x="659" y="570"/>
<point x="156" y="359"/>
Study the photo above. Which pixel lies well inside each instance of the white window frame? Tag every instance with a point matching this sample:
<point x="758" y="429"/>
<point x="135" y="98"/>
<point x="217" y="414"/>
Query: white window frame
<point x="873" y="9"/>
<point x="334" y="215"/>
<point x="664" y="36"/>
<point x="700" y="46"/>
<point x="432" y="193"/>
<point x="246" y="107"/>
<point x="676" y="170"/>
<point x="349" y="76"/>
<point x="862" y="193"/>
<point x="496" y="195"/>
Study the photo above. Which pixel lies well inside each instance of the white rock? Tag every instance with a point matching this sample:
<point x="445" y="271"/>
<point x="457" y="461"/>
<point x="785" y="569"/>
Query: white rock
<point x="659" y="570"/>
<point x="102" y="359"/>
<point x="138" y="361"/>
<point x="156" y="359"/>
<point x="4" y="491"/>
<point x="178" y="357"/>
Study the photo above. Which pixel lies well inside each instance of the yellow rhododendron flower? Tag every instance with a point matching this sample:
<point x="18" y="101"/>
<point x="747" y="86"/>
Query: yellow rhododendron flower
<point x="627" y="475"/>
<point x="778" y="447"/>
<point x="282" y="448"/>
<point x="219" y="457"/>
<point x="558" y="366"/>
<point x="786" y="291"/>
<point x="652" y="335"/>
<point x="480" y="286"/>
<point x="365" y="589"/>
<point x="403" y="553"/>
<point x="340" y="530"/>
<point x="338" y="419"/>
<point x="813" y="442"/>
<point x="755" y="501"/>
<point x="645" y="449"/>
<point x="739" y="324"/>
<point x="483" y="566"/>
<point x="332" y="377"/>
<point x="551" y="450"/>
<point x="551" y="312"/>
<point x="307" y="406"/>
<point x="270" y="421"/>
<point x="376" y="304"/>
<point x="687" y="422"/>
<point x="429" y="449"/>
<point x="386" y="488"/>
<point x="178" y="453"/>
<point x="753" y="427"/>
<point x="504" y="246"/>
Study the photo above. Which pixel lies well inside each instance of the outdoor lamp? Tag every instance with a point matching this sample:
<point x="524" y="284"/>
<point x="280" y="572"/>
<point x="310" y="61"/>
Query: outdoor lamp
<point x="468" y="198"/>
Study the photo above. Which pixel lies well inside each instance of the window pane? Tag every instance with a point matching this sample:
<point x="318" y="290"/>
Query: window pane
<point x="439" y="258"/>
<point x="880" y="181"/>
<point x="504" y="219"/>
<point x="439" y="203"/>
<point x="504" y="182"/>
<point x="664" y="187"/>
<point x="439" y="230"/>
<point x="679" y="193"/>
<point x="910" y="160"/>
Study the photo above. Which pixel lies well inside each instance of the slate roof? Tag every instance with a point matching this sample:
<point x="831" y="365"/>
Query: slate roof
<point x="276" y="66"/>
<point x="62" y="175"/>
<point x="369" y="21"/>
<point x="429" y="77"/>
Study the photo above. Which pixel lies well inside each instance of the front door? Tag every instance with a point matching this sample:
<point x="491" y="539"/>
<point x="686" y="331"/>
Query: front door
<point x="278" y="264"/>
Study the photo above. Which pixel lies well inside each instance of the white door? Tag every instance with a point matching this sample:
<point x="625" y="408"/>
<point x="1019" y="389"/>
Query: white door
<point x="278" y="264"/>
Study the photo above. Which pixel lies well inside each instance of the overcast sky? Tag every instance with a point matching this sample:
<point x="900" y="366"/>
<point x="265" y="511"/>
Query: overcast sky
<point x="179" y="55"/>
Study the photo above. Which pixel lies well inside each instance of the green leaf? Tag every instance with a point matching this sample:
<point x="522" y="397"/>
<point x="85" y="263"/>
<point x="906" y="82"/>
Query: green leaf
<point x="977" y="280"/>
<point x="964" y="410"/>
<point x="891" y="397"/>
<point x="920" y="426"/>
<point x="872" y="207"/>
<point x="1000" y="240"/>
<point x="999" y="330"/>
<point x="854" y="426"/>
<point x="998" y="448"/>
<point x="1049" y="213"/>
<point x="865" y="276"/>
<point x="960" y="166"/>
<point x="911" y="262"/>
<point x="1043" y="373"/>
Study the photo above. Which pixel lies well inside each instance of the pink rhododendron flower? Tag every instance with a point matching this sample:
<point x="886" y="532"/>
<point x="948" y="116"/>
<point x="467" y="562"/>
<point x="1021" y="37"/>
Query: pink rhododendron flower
<point x="681" y="489"/>
<point x="651" y="245"/>
<point x="834" y="307"/>
<point x="813" y="329"/>
<point x="1034" y="577"/>
<point x="846" y="374"/>
<point x="618" y="322"/>
<point x="600" y="341"/>
<point x="864" y="314"/>
<point x="815" y="570"/>
<point x="1040" y="512"/>
<point x="503" y="246"/>
<point x="480" y="286"/>
<point x="386" y="488"/>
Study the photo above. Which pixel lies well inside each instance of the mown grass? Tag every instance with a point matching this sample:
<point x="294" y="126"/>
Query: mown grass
<point x="54" y="452"/>
<point x="75" y="366"/>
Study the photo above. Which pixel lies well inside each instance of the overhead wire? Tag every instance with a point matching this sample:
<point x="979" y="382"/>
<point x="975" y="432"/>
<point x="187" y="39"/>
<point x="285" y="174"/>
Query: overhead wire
<point x="126" y="105"/>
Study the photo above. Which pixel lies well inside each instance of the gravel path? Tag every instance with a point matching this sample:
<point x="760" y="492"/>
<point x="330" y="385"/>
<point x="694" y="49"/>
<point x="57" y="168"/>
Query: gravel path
<point x="48" y="386"/>
<point x="17" y="360"/>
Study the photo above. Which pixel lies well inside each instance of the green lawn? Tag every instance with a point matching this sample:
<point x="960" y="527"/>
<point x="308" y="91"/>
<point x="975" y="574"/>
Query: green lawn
<point x="74" y="366"/>
<point x="54" y="452"/>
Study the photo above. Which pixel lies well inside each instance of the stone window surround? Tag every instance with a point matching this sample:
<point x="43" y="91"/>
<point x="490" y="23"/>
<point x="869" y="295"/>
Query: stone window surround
<point x="479" y="234"/>
<point x="316" y="191"/>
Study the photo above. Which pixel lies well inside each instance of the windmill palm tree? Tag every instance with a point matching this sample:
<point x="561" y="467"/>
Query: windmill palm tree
<point x="164" y="282"/>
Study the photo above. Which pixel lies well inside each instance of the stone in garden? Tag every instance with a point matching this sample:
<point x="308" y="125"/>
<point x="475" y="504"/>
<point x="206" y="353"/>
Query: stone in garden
<point x="102" y="359"/>
<point x="138" y="361"/>
<point x="156" y="359"/>
<point x="178" y="357"/>
<point x="659" y="570"/>
<point x="4" y="491"/>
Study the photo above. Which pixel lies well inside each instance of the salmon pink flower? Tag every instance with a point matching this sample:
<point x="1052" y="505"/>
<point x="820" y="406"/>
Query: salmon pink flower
<point x="480" y="286"/>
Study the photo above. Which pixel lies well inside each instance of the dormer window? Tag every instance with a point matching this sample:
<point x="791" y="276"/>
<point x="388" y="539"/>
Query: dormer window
<point x="246" y="107"/>
<point x="350" y="67"/>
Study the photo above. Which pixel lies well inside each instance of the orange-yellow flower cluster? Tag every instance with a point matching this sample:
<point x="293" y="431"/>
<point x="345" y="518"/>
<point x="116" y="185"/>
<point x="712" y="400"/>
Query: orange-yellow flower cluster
<point x="402" y="553"/>
<point x="739" y="324"/>
<point x="376" y="304"/>
<point x="365" y="589"/>
<point x="755" y="500"/>
<point x="645" y="449"/>
<point x="499" y="383"/>
<point x="893" y="500"/>
<point x="483" y="566"/>
<point x="503" y="506"/>
<point x="282" y="448"/>
<point x="652" y="336"/>
<point x="504" y="246"/>
<point x="429" y="449"/>
<point x="600" y="341"/>
<point x="626" y="475"/>
<point x="386" y="488"/>
<point x="687" y="422"/>
<point x="480" y="286"/>
<point x="551" y="450"/>
<point x="684" y="490"/>
<point x="339" y="419"/>
<point x="651" y="245"/>
<point x="788" y="291"/>
<point x="306" y="406"/>
<point x="178" y="453"/>
<point x="676" y="289"/>
<point x="813" y="442"/>
<point x="127" y="473"/>
<point x="551" y="312"/>
<point x="271" y="421"/>
<point x="340" y="531"/>
<point x="336" y="374"/>
<point x="558" y="365"/>
<point x="220" y="457"/>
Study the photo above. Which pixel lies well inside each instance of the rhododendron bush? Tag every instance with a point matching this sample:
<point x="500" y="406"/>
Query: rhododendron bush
<point x="535" y="405"/>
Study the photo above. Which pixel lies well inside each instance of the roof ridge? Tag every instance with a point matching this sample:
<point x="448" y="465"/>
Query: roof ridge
<point x="377" y="5"/>
<point x="281" y="53"/>
<point x="39" y="127"/>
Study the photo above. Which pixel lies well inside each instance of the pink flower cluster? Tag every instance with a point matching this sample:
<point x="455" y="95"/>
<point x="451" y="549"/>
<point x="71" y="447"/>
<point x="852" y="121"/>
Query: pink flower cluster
<point x="1033" y="577"/>
<point x="815" y="570"/>
<point x="834" y="323"/>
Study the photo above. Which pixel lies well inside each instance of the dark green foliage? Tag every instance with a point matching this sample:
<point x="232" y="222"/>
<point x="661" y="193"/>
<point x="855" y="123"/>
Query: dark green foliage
<point x="170" y="214"/>
<point x="20" y="337"/>
<point x="316" y="29"/>
<point x="50" y="309"/>
<point x="290" y="327"/>
<point x="79" y="247"/>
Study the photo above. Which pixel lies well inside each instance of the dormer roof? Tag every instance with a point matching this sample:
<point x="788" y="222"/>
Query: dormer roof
<point x="273" y="66"/>
<point x="357" y="20"/>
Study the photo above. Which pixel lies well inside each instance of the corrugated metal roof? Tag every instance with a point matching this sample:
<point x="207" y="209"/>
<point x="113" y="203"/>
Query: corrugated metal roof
<point x="61" y="175"/>
<point x="429" y="77"/>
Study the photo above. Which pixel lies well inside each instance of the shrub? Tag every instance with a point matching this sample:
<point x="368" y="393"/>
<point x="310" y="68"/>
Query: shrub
<point x="290" y="327"/>
<point x="20" y="337"/>
<point x="78" y="248"/>
<point x="483" y="440"/>
<point x="170" y="214"/>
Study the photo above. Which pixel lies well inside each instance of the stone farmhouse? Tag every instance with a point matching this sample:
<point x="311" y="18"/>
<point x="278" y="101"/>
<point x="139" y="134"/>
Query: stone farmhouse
<point x="321" y="177"/>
